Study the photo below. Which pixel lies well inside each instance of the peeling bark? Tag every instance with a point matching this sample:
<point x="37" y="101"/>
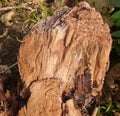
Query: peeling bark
<point x="63" y="61"/>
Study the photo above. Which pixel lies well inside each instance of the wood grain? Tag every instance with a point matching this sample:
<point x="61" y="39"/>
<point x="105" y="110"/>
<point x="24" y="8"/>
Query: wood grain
<point x="65" y="57"/>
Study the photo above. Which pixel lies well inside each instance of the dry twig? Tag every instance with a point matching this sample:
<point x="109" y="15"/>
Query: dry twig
<point x="24" y="6"/>
<point x="11" y="66"/>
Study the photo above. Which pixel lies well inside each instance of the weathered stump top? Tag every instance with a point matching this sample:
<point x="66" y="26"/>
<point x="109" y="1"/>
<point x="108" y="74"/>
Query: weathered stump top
<point x="67" y="56"/>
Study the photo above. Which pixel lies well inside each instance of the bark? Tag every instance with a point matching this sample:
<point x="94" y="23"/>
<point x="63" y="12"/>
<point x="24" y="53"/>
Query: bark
<point x="63" y="62"/>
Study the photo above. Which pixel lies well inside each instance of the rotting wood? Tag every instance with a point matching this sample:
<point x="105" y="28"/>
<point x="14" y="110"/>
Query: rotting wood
<point x="63" y="61"/>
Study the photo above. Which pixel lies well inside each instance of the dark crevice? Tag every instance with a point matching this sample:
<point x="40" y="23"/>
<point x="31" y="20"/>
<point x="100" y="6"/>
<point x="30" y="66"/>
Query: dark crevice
<point x="66" y="96"/>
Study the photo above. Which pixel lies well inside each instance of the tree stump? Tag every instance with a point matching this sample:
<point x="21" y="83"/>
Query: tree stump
<point x="63" y="62"/>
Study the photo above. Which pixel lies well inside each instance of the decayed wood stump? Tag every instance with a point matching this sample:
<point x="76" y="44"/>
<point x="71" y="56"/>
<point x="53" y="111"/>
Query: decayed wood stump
<point x="63" y="61"/>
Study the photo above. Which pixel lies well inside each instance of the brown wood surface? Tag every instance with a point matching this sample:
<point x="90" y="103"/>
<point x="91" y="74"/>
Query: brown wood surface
<point x="63" y="62"/>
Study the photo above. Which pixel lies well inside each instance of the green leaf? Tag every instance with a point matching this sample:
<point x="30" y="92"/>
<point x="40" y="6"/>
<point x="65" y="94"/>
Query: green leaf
<point x="98" y="112"/>
<point x="118" y="23"/>
<point x="115" y="3"/>
<point x="109" y="107"/>
<point x="118" y="41"/>
<point x="116" y="109"/>
<point x="103" y="107"/>
<point x="44" y="9"/>
<point x="33" y="20"/>
<point x="27" y="21"/>
<point x="61" y="3"/>
<point x="116" y="33"/>
<point x="116" y="45"/>
<point x="115" y="16"/>
<point x="36" y="17"/>
<point x="118" y="49"/>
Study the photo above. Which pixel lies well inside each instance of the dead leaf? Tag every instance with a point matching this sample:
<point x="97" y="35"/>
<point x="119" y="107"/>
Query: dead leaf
<point x="38" y="1"/>
<point x="6" y="17"/>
